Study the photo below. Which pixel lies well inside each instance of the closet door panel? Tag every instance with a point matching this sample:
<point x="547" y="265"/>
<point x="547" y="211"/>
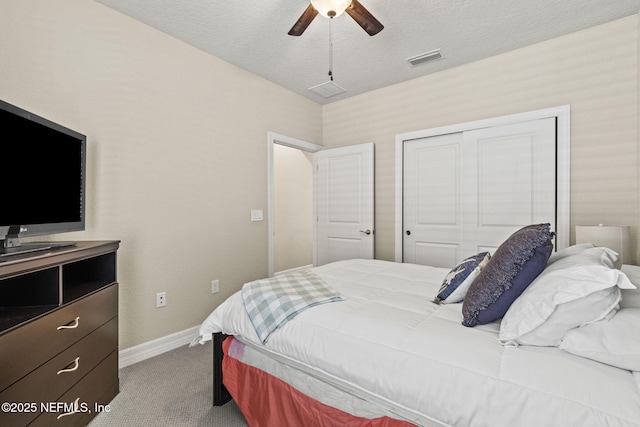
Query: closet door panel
<point x="466" y="192"/>
<point x="509" y="181"/>
<point x="504" y="182"/>
<point x="432" y="215"/>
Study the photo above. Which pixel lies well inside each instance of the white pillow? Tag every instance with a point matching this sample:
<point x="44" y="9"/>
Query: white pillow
<point x="568" y="251"/>
<point x="614" y="342"/>
<point x="567" y="280"/>
<point x="582" y="311"/>
<point x="631" y="297"/>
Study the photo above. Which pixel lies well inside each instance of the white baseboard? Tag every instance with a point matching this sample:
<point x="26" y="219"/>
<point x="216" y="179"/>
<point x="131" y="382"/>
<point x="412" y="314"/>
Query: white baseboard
<point x="143" y="351"/>
<point x="152" y="348"/>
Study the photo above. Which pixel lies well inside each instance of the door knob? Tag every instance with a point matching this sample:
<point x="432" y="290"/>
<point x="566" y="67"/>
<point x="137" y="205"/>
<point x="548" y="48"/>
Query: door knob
<point x="408" y="232"/>
<point x="367" y="232"/>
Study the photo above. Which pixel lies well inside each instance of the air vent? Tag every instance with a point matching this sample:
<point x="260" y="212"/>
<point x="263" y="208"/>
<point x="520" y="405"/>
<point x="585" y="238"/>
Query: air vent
<point x="327" y="89"/>
<point x="425" y="57"/>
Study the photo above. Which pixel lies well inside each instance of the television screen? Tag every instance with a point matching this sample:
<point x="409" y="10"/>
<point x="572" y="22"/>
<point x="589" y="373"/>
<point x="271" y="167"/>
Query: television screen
<point x="43" y="172"/>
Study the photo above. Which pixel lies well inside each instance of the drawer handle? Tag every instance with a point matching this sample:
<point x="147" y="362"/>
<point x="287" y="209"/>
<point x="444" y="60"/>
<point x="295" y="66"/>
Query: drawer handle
<point x="76" y="365"/>
<point x="76" y="409"/>
<point x="71" y="325"/>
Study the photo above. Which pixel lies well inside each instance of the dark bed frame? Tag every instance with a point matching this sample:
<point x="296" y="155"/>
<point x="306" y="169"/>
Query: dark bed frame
<point x="220" y="393"/>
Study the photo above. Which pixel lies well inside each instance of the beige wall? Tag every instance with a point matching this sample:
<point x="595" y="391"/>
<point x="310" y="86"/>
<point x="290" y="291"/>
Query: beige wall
<point x="293" y="210"/>
<point x="176" y="150"/>
<point x="595" y="71"/>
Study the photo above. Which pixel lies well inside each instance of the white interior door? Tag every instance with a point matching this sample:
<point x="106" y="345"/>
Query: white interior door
<point x="344" y="186"/>
<point x="466" y="192"/>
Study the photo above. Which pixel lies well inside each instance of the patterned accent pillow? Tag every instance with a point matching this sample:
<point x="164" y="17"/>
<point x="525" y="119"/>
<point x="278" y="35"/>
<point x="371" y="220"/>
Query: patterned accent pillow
<point x="457" y="282"/>
<point x="513" y="266"/>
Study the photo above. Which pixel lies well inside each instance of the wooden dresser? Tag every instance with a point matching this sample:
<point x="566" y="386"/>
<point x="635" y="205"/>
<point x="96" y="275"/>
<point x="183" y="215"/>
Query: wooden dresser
<point x="58" y="335"/>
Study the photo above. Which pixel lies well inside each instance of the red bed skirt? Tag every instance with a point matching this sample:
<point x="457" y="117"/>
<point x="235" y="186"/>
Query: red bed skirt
<point x="267" y="401"/>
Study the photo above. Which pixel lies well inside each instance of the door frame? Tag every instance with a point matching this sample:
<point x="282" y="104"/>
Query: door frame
<point x="276" y="138"/>
<point x="563" y="135"/>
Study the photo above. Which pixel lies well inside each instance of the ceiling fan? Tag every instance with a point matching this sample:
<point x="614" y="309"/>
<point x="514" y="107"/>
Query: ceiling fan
<point x="333" y="8"/>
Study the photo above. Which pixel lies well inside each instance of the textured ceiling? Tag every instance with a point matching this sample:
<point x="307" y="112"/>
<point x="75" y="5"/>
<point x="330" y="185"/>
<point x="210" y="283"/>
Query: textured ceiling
<point x="252" y="34"/>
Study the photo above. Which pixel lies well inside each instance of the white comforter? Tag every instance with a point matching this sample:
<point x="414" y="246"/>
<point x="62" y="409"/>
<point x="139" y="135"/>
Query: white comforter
<point x="389" y="344"/>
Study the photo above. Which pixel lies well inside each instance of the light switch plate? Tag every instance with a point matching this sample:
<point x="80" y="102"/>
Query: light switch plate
<point x="256" y="215"/>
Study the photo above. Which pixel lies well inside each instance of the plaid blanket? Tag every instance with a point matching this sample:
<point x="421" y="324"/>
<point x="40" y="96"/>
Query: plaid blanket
<point x="270" y="303"/>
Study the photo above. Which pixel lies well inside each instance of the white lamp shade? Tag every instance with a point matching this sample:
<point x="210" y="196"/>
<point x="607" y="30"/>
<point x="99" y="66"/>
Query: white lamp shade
<point x="325" y="6"/>
<point x="614" y="237"/>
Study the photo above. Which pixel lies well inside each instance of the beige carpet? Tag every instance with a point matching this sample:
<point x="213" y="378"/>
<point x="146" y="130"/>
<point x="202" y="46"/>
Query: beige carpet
<point x="172" y="389"/>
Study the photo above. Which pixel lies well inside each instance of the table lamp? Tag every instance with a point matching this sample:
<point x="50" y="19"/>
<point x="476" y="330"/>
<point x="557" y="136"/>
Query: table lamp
<point x="614" y="237"/>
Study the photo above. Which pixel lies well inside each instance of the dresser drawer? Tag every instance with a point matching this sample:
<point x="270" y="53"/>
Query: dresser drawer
<point x="42" y="339"/>
<point x="92" y="393"/>
<point x="54" y="378"/>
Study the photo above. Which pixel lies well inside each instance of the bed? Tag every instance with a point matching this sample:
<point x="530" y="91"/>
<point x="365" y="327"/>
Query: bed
<point x="554" y="342"/>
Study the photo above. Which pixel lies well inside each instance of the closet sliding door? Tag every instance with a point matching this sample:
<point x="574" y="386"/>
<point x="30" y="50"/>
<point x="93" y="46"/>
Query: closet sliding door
<point x="432" y="188"/>
<point x="466" y="192"/>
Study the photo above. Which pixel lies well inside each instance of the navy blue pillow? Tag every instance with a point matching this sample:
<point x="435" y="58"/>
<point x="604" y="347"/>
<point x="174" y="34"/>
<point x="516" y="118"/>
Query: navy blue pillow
<point x="514" y="265"/>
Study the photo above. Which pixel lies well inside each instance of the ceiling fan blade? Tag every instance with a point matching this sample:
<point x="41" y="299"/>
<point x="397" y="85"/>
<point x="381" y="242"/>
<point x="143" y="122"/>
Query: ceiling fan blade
<point x="364" y="18"/>
<point x="304" y="21"/>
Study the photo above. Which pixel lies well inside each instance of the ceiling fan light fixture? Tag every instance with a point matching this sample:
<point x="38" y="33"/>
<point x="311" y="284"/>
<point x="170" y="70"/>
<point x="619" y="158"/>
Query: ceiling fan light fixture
<point x="331" y="8"/>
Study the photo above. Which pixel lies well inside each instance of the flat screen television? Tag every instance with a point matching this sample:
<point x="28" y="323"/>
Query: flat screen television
<point x="43" y="186"/>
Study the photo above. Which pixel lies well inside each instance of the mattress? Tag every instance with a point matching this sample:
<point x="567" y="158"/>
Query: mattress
<point x="314" y="388"/>
<point x="387" y="344"/>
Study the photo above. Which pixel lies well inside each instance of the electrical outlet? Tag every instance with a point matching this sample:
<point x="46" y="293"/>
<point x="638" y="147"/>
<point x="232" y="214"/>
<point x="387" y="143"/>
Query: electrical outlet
<point x="215" y="286"/>
<point x="161" y="299"/>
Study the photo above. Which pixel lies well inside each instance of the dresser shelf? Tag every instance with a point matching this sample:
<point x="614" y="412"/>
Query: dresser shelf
<point x="58" y="333"/>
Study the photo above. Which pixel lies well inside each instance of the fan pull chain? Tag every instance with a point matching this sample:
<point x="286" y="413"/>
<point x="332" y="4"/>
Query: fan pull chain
<point x="330" y="52"/>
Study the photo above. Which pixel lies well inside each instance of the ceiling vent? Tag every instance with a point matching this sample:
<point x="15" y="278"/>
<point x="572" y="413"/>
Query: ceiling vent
<point x="425" y="57"/>
<point x="327" y="90"/>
